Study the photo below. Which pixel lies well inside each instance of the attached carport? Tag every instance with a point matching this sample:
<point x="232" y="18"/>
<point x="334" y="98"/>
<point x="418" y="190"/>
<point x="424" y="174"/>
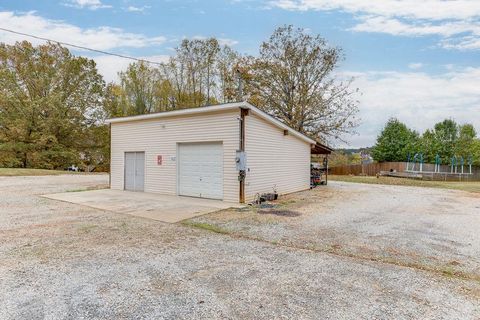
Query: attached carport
<point x="319" y="154"/>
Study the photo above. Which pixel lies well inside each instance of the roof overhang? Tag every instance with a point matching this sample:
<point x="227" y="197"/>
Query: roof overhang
<point x="216" y="108"/>
<point x="319" y="148"/>
<point x="176" y="113"/>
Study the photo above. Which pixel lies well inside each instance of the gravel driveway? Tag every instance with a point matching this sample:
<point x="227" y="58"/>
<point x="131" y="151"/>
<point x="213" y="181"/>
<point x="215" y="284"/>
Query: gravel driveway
<point x="62" y="261"/>
<point x="426" y="228"/>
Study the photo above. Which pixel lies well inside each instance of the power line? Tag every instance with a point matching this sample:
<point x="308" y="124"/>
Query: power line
<point x="81" y="47"/>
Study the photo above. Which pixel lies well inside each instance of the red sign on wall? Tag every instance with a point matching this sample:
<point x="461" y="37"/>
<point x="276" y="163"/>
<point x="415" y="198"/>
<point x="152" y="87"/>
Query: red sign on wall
<point x="159" y="160"/>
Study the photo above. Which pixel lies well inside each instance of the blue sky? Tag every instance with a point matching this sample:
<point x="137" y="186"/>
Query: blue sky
<point x="416" y="60"/>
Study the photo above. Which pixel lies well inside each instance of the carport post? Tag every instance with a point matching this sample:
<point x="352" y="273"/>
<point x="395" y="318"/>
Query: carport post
<point x="110" y="164"/>
<point x="326" y="171"/>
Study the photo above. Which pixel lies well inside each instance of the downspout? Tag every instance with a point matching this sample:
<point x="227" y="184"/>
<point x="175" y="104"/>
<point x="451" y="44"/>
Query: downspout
<point x="242" y="173"/>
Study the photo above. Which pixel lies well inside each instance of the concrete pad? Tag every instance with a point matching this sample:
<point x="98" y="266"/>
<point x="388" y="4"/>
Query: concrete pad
<point x="147" y="205"/>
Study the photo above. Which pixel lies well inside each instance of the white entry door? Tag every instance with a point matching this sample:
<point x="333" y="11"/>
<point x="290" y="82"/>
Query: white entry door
<point x="200" y="171"/>
<point x="134" y="171"/>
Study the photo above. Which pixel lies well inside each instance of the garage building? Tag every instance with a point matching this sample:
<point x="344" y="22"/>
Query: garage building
<point x="229" y="152"/>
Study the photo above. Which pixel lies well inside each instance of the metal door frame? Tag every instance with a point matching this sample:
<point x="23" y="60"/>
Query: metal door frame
<point x="135" y="168"/>
<point x="177" y="158"/>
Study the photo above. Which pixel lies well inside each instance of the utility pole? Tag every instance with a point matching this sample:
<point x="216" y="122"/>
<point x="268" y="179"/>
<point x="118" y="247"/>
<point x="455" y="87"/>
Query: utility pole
<point x="240" y="85"/>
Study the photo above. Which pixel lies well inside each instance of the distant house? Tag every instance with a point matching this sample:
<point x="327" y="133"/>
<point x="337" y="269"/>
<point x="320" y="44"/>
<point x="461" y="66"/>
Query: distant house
<point x="365" y="157"/>
<point x="228" y="152"/>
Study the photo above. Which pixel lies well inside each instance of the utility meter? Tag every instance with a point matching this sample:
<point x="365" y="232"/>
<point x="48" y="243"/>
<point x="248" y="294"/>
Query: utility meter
<point x="241" y="160"/>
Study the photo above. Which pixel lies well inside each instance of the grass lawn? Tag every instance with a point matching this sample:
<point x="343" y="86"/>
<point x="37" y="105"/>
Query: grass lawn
<point x="473" y="186"/>
<point x="32" y="172"/>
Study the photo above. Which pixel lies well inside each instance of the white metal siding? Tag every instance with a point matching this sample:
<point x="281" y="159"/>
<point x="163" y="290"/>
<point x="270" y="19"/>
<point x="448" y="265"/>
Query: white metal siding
<point x="274" y="159"/>
<point x="160" y="137"/>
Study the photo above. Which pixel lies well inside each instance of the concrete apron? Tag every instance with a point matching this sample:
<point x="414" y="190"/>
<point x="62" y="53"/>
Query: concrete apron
<point x="159" y="207"/>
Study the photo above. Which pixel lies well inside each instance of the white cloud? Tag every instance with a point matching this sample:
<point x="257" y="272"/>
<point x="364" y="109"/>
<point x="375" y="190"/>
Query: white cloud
<point x="101" y="38"/>
<point x="109" y="66"/>
<point x="137" y="9"/>
<point x="461" y="35"/>
<point x="471" y="42"/>
<point x="425" y="9"/>
<point x="415" y="65"/>
<point x="456" y="21"/>
<point x="397" y="27"/>
<point x="227" y="42"/>
<point x="416" y="98"/>
<point x="87" y="4"/>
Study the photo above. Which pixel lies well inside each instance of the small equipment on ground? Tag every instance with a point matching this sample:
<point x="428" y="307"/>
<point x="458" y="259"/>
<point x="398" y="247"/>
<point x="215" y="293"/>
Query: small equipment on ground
<point x="318" y="174"/>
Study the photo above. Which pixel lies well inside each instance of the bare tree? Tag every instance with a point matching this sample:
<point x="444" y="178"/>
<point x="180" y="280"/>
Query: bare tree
<point x="192" y="72"/>
<point x="293" y="80"/>
<point x="226" y="66"/>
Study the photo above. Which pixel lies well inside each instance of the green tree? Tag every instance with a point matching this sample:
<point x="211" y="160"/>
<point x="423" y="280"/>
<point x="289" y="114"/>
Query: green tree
<point x="448" y="139"/>
<point x="49" y="101"/>
<point x="141" y="84"/>
<point x="115" y="102"/>
<point x="446" y="136"/>
<point x="475" y="152"/>
<point x="395" y="142"/>
<point x="293" y="79"/>
<point x="429" y="146"/>
<point x="465" y="141"/>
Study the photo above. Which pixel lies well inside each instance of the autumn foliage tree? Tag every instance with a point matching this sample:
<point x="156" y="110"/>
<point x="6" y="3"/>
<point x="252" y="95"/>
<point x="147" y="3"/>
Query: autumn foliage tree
<point x="200" y="73"/>
<point x="49" y="101"/>
<point x="53" y="104"/>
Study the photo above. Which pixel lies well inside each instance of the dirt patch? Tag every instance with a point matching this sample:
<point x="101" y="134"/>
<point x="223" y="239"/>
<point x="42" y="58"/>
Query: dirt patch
<point x="280" y="212"/>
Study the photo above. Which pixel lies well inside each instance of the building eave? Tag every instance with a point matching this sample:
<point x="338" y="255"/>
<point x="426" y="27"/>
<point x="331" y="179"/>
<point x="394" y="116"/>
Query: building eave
<point x="215" y="108"/>
<point x="319" y="148"/>
<point x="181" y="112"/>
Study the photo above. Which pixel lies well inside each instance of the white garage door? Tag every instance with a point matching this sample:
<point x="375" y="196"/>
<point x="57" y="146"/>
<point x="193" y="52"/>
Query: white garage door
<point x="201" y="170"/>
